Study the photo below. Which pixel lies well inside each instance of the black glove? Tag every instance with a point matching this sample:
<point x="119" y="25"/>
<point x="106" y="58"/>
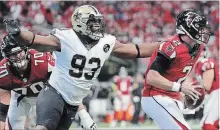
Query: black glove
<point x="10" y="40"/>
<point x="12" y="26"/>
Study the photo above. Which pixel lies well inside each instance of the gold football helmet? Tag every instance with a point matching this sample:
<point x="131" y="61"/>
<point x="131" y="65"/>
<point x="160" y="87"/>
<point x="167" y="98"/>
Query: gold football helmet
<point x="87" y="20"/>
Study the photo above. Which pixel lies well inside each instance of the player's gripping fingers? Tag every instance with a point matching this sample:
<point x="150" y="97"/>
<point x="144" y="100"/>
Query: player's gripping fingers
<point x="196" y="92"/>
<point x="93" y="126"/>
<point x="186" y="89"/>
<point x="189" y="91"/>
<point x="193" y="96"/>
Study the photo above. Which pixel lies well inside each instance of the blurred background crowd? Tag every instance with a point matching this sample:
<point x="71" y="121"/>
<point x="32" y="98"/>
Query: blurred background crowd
<point x="132" y="21"/>
<point x="136" y="22"/>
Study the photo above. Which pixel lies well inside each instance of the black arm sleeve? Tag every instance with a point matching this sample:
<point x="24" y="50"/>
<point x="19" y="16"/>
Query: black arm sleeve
<point x="6" y="88"/>
<point x="161" y="63"/>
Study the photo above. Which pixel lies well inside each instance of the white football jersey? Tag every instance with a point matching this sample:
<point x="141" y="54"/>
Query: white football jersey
<point x="77" y="68"/>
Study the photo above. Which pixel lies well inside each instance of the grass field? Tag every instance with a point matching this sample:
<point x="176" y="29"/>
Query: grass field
<point x="145" y="126"/>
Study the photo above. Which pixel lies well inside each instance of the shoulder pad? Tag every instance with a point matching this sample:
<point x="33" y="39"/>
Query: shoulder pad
<point x="168" y="49"/>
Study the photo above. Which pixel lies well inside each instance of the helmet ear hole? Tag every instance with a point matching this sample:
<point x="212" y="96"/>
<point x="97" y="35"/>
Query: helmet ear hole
<point x="79" y="26"/>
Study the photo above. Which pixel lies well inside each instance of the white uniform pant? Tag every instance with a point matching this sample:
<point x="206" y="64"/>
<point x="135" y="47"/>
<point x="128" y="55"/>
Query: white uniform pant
<point x="17" y="112"/>
<point x="211" y="112"/>
<point x="165" y="112"/>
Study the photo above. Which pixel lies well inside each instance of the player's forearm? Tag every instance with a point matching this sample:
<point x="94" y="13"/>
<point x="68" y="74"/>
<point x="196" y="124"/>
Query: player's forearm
<point x="130" y="51"/>
<point x="147" y="49"/>
<point x="81" y="106"/>
<point x="155" y="79"/>
<point x="127" y="51"/>
<point x="38" y="42"/>
<point x="25" y="37"/>
<point x="28" y="38"/>
<point x="208" y="77"/>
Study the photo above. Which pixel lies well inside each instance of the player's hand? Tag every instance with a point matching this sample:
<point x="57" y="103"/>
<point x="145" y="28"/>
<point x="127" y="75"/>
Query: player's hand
<point x="86" y="122"/>
<point x="189" y="90"/>
<point x="12" y="26"/>
<point x="10" y="40"/>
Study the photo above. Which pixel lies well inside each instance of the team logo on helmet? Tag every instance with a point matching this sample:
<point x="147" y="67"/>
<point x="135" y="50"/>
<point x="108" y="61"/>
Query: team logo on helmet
<point x="193" y="24"/>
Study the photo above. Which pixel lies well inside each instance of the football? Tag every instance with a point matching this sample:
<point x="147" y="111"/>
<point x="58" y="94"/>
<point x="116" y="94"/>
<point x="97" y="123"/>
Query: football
<point x="191" y="104"/>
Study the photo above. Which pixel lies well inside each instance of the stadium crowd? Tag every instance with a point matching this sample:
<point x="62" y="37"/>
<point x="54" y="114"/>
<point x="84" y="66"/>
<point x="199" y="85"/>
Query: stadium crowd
<point x="136" y="21"/>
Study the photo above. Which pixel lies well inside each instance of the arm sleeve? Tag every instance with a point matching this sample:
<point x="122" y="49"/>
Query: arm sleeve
<point x="6" y="88"/>
<point x="165" y="56"/>
<point x="161" y="63"/>
<point x="51" y="63"/>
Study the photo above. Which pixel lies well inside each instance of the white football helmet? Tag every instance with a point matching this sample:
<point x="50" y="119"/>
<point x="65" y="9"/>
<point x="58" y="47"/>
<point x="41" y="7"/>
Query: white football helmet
<point x="87" y="20"/>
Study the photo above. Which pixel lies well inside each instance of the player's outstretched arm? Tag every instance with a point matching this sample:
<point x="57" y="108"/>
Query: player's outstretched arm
<point x="38" y="42"/>
<point x="27" y="38"/>
<point x="131" y="51"/>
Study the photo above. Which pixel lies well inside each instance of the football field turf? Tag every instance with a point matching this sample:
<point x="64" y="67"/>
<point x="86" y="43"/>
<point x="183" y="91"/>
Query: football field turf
<point x="144" y="126"/>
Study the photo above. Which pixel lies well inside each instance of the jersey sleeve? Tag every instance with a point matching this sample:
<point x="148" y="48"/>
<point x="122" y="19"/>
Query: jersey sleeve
<point x="51" y="62"/>
<point x="60" y="34"/>
<point x="207" y="66"/>
<point x="168" y="50"/>
<point x="111" y="40"/>
<point x="5" y="78"/>
<point x="57" y="33"/>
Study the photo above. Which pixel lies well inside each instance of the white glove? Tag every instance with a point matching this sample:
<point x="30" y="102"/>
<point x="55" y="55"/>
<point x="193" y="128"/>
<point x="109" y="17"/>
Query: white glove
<point x="86" y="122"/>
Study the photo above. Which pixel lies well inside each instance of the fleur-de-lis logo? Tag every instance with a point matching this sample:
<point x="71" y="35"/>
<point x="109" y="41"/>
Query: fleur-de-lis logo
<point x="78" y="15"/>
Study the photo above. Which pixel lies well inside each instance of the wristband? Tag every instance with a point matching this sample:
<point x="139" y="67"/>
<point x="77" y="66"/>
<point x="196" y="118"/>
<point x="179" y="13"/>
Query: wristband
<point x="32" y="40"/>
<point x="83" y="114"/>
<point x="138" y="51"/>
<point x="176" y="87"/>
